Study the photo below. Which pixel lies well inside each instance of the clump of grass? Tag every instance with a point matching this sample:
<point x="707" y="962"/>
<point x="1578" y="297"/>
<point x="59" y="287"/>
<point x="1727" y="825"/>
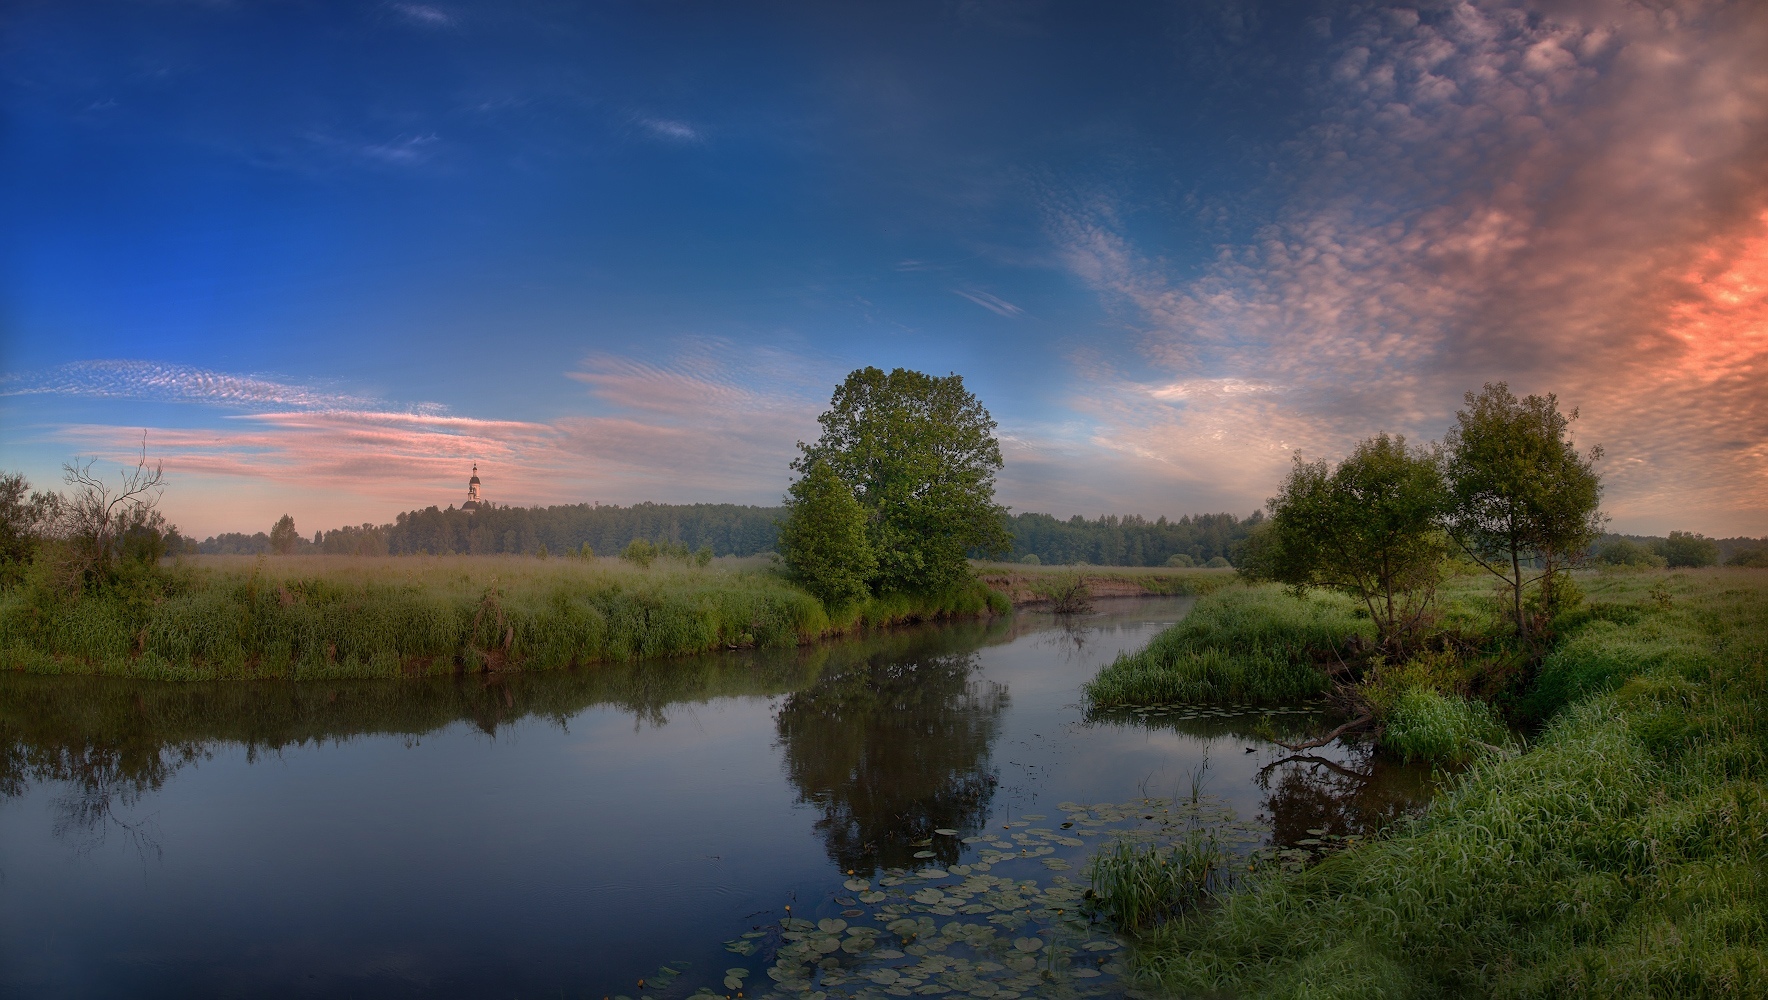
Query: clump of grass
<point x="1243" y="645"/>
<point x="1139" y="885"/>
<point x="1426" y="725"/>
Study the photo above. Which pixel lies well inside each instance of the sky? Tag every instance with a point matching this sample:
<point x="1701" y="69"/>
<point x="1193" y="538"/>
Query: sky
<point x="321" y="258"/>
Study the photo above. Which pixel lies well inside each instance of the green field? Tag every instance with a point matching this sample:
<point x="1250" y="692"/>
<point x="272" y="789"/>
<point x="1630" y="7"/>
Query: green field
<point x="1618" y="846"/>
<point x="332" y="617"/>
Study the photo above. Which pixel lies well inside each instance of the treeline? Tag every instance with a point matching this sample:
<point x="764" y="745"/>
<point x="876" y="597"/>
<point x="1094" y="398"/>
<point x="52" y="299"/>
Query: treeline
<point x="1131" y="540"/>
<point x="726" y="529"/>
<point x="1681" y="550"/>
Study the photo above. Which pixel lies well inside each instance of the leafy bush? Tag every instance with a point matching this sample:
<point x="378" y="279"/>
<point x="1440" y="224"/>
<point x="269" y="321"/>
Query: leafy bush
<point x="1687" y="550"/>
<point x="640" y="552"/>
<point x="1030" y="559"/>
<point x="1180" y="560"/>
<point x="1219" y="562"/>
<point x="1751" y="558"/>
<point x="1626" y="552"/>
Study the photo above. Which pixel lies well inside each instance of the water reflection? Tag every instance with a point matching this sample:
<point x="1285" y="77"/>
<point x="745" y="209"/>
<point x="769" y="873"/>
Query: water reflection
<point x="890" y="750"/>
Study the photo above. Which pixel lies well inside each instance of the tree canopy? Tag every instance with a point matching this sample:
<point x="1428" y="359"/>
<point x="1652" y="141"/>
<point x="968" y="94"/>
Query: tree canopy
<point x="1522" y="493"/>
<point x="919" y="455"/>
<point x="1370" y="528"/>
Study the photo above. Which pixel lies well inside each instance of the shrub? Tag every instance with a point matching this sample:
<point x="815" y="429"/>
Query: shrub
<point x="1751" y="558"/>
<point x="1219" y="562"/>
<point x="1626" y="552"/>
<point x="1030" y="559"/>
<point x="1688" y="550"/>
<point x="640" y="552"/>
<point x="1180" y="560"/>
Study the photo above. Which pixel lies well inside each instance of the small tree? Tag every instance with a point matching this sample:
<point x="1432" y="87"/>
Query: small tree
<point x="283" y="537"/>
<point x="100" y="524"/>
<point x="919" y="454"/>
<point x="1371" y="528"/>
<point x="1525" y="502"/>
<point x="640" y="552"/>
<point x="1686" y="549"/>
<point x="23" y="518"/>
<point x="823" y="539"/>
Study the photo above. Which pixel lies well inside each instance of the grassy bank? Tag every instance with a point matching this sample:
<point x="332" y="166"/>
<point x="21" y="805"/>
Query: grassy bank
<point x="1238" y="645"/>
<point x="1624" y="852"/>
<point x="328" y="617"/>
<point x="1034" y="585"/>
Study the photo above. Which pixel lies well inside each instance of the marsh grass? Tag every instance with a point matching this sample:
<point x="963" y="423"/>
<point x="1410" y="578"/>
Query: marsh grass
<point x="331" y="617"/>
<point x="1624" y="854"/>
<point x="1137" y="885"/>
<point x="1240" y="645"/>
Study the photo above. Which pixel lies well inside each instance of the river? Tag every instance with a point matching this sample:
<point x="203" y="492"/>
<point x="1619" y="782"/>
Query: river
<point x="905" y="814"/>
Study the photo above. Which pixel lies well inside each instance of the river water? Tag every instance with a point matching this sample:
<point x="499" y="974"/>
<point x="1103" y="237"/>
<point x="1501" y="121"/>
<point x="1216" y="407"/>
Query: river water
<point x="906" y="814"/>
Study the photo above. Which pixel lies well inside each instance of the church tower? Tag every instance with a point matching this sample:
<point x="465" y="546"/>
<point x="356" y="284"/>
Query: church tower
<point x="473" y="501"/>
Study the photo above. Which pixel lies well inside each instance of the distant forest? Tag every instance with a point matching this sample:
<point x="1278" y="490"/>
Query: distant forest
<point x="737" y="530"/>
<point x="732" y="530"/>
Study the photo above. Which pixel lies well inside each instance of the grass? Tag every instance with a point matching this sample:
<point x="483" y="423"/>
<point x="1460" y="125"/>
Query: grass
<point x="1237" y="645"/>
<point x="1026" y="584"/>
<point x="1625" y="853"/>
<point x="330" y="617"/>
<point x="1138" y="885"/>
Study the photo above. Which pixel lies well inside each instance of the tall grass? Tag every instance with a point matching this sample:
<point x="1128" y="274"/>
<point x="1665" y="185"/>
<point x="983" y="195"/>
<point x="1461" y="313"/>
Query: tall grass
<point x="322" y="617"/>
<point x="1625" y="854"/>
<point x="1240" y="645"/>
<point x="1138" y="885"/>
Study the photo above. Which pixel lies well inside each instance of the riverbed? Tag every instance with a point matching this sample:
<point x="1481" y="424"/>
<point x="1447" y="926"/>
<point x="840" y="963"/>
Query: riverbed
<point x="909" y="813"/>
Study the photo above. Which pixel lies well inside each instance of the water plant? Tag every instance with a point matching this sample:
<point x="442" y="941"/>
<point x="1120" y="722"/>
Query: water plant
<point x="1139" y="885"/>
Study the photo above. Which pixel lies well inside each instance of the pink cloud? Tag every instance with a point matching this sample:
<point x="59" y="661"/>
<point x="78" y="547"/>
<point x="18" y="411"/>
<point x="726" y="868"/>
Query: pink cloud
<point x="1573" y="202"/>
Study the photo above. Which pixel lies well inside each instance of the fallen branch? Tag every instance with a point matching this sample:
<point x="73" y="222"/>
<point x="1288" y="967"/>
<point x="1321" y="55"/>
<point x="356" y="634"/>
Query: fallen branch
<point x="1308" y="758"/>
<point x="1356" y="723"/>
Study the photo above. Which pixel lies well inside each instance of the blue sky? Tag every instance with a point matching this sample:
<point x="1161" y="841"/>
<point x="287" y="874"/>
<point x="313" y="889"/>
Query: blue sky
<point x="326" y="255"/>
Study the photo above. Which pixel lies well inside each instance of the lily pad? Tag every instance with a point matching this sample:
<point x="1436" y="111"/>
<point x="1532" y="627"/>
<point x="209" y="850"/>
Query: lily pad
<point x="1027" y="944"/>
<point x="857" y="885"/>
<point x="830" y="925"/>
<point x="944" y="832"/>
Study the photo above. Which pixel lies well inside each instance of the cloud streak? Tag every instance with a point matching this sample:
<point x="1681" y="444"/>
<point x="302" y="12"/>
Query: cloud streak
<point x="1571" y="201"/>
<point x="156" y="382"/>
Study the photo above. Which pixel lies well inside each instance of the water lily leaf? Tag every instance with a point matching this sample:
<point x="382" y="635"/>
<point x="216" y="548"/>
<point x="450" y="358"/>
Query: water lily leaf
<point x="829" y="925"/>
<point x="929" y="896"/>
<point x="1027" y="944"/>
<point x="1101" y="946"/>
<point x="944" y="832"/>
<point x="870" y="898"/>
<point x="925" y="854"/>
<point x="857" y="885"/>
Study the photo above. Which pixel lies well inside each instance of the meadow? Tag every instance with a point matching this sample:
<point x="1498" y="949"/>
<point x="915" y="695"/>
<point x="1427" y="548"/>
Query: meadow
<point x="335" y="617"/>
<point x="1612" y="842"/>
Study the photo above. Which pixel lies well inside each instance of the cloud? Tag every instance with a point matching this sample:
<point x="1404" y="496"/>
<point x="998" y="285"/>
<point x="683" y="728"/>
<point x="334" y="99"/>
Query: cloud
<point x="425" y="15"/>
<point x="671" y="130"/>
<point x="153" y="381"/>
<point x="712" y="422"/>
<point x="1571" y="200"/>
<point x="993" y="303"/>
<point x="405" y="150"/>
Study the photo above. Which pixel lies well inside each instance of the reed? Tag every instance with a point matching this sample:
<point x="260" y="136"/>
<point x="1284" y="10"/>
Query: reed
<point x="1139" y="885"/>
<point x="329" y="617"/>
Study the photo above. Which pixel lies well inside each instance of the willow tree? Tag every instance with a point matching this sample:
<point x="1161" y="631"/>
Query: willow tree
<point x="1370" y="528"/>
<point x="919" y="454"/>
<point x="1526" y="503"/>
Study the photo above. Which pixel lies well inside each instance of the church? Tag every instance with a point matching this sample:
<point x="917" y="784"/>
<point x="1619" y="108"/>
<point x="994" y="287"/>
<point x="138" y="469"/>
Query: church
<point x="474" y="501"/>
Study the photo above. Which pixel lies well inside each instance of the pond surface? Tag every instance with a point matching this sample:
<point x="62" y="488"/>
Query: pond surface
<point x="883" y="817"/>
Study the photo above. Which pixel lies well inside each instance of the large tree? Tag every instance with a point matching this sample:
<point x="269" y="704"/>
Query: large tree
<point x="1371" y="528"/>
<point x="1526" y="502"/>
<point x="919" y="454"/>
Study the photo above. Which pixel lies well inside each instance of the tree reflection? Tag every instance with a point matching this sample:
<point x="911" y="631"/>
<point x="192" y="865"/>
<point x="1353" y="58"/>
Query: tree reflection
<point x="1355" y="798"/>
<point x="891" y="749"/>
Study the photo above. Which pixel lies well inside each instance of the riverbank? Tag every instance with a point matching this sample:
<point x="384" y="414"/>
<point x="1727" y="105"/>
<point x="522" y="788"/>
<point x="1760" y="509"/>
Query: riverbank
<point x="1622" y="851"/>
<point x="1037" y="586"/>
<point x="332" y="617"/>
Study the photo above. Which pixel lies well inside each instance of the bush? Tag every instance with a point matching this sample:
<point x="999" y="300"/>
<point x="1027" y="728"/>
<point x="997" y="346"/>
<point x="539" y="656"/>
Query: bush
<point x="1751" y="558"/>
<point x="1179" y="560"/>
<point x="1626" y="552"/>
<point x="1219" y="562"/>
<point x="1030" y="559"/>
<point x="1687" y="550"/>
<point x="640" y="552"/>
